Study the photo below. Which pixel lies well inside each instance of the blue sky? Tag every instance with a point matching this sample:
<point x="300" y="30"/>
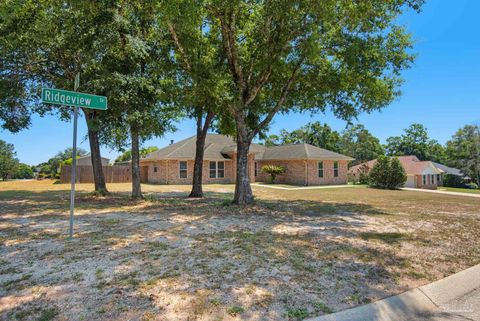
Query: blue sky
<point x="441" y="91"/>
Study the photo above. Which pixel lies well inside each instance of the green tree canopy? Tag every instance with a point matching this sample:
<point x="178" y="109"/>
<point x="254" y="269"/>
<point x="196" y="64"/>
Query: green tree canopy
<point x="136" y="80"/>
<point x="285" y="56"/>
<point x="51" y="168"/>
<point x="415" y="141"/>
<point x="360" y="144"/>
<point x="316" y="134"/>
<point x="8" y="161"/>
<point x="463" y="151"/>
<point x="23" y="171"/>
<point x="46" y="43"/>
<point x="127" y="155"/>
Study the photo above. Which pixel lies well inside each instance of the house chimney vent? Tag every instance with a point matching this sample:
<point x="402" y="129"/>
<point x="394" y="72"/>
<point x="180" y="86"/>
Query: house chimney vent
<point x="171" y="141"/>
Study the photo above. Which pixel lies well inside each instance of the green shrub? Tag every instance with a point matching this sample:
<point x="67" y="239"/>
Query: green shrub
<point x="387" y="173"/>
<point x="273" y="171"/>
<point x="450" y="180"/>
<point x="235" y="310"/>
<point x="472" y="185"/>
<point x="297" y="313"/>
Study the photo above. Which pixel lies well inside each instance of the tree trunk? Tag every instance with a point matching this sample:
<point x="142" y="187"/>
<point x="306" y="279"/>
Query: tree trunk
<point x="136" y="187"/>
<point x="98" y="175"/>
<point x="197" y="190"/>
<point x="243" y="190"/>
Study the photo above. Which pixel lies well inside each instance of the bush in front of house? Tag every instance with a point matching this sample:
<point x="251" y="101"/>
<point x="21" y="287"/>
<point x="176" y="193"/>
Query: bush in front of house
<point x="273" y="171"/>
<point x="360" y="176"/>
<point x="387" y="173"/>
<point x="450" y="180"/>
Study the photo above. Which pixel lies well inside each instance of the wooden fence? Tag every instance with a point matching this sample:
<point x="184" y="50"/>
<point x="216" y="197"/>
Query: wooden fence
<point x="113" y="174"/>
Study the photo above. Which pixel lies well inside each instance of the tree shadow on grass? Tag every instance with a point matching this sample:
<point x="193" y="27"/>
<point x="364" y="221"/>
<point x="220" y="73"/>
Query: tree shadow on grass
<point x="279" y="259"/>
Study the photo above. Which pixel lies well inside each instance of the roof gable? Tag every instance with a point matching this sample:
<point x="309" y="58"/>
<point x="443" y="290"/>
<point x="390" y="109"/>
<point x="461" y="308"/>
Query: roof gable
<point x="185" y="149"/>
<point x="300" y="152"/>
<point x="219" y="147"/>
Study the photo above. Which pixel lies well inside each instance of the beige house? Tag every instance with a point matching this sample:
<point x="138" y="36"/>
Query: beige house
<point x="86" y="160"/>
<point x="305" y="164"/>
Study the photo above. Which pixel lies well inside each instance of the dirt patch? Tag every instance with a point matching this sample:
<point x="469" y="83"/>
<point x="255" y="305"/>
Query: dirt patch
<point x="289" y="256"/>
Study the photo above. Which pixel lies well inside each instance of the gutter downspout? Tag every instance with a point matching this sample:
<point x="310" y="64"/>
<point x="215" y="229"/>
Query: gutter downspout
<point x="306" y="173"/>
<point x="166" y="171"/>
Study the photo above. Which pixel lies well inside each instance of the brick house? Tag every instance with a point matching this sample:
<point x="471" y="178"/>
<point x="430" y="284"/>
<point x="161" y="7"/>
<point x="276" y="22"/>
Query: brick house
<point x="420" y="174"/>
<point x="305" y="164"/>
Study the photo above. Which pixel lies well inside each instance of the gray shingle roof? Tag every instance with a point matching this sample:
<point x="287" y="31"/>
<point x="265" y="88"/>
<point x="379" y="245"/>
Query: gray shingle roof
<point x="300" y="152"/>
<point x="448" y="170"/>
<point x="218" y="147"/>
<point x="185" y="149"/>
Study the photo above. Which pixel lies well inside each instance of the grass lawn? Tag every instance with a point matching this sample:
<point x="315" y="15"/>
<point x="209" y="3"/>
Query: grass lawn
<point x="459" y="190"/>
<point x="292" y="255"/>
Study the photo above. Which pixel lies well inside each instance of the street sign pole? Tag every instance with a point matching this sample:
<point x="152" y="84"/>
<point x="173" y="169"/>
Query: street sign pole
<point x="74" y="158"/>
<point x="76" y="100"/>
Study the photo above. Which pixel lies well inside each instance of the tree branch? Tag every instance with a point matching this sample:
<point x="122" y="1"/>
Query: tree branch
<point x="228" y="35"/>
<point x="183" y="54"/>
<point x="280" y="102"/>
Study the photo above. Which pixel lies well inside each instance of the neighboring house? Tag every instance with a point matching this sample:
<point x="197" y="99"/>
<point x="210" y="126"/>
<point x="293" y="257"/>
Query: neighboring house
<point x="86" y="160"/>
<point x="420" y="174"/>
<point x="305" y="164"/>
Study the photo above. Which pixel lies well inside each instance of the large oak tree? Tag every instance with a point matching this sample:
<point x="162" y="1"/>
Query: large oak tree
<point x="46" y="43"/>
<point x="306" y="55"/>
<point x="201" y="77"/>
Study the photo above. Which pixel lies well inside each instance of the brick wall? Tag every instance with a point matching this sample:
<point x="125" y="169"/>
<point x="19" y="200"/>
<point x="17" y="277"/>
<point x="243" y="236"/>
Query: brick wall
<point x="328" y="175"/>
<point x="301" y="172"/>
<point x="428" y="184"/>
<point x="168" y="172"/>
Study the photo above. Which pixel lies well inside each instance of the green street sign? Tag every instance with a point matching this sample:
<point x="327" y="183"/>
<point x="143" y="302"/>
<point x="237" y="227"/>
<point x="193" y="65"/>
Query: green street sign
<point x="73" y="98"/>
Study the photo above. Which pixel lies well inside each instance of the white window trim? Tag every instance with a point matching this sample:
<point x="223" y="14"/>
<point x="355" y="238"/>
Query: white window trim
<point x="216" y="169"/>
<point x="323" y="169"/>
<point x="180" y="169"/>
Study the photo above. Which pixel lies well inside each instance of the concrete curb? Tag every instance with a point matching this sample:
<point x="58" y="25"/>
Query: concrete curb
<point x="413" y="303"/>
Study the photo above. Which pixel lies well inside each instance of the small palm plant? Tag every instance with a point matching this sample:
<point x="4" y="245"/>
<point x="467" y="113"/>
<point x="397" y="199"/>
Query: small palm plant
<point x="273" y="171"/>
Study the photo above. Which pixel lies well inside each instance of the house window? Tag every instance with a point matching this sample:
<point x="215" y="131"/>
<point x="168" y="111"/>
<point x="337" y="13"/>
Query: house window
<point x="217" y="169"/>
<point x="439" y="178"/>
<point x="256" y="169"/>
<point x="320" y="169"/>
<point x="335" y="169"/>
<point x="220" y="169"/>
<point x="424" y="179"/>
<point x="432" y="179"/>
<point x="155" y="169"/>
<point x="183" y="169"/>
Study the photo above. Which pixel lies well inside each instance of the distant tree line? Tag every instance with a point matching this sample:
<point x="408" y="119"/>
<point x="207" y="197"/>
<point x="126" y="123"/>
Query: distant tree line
<point x="10" y="166"/>
<point x="462" y="151"/>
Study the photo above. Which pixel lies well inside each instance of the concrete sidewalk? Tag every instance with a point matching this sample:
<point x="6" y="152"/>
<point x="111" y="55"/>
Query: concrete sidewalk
<point x="440" y="192"/>
<point x="456" y="297"/>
